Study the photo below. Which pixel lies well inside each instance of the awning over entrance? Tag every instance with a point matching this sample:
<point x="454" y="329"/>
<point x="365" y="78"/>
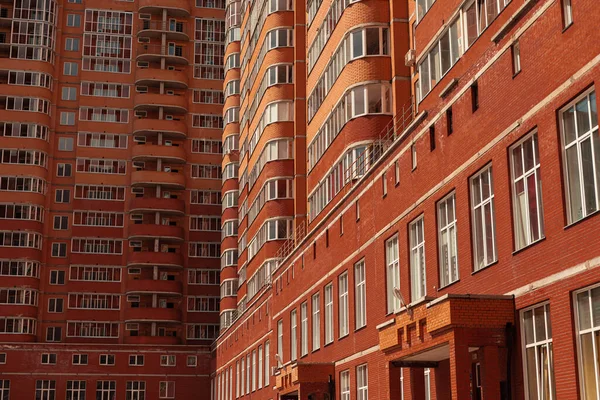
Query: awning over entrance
<point x="455" y="334"/>
<point x="304" y="381"/>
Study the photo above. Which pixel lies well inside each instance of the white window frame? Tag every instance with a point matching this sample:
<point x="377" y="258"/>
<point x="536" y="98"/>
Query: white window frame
<point x="478" y="206"/>
<point x="304" y="329"/>
<point x="447" y="240"/>
<point x="392" y="273"/>
<point x="343" y="306"/>
<point x="293" y="335"/>
<point x="328" y="314"/>
<point x="360" y="295"/>
<point x="586" y="330"/>
<point x="362" y="382"/>
<point x="316" y="321"/>
<point x="345" y="385"/>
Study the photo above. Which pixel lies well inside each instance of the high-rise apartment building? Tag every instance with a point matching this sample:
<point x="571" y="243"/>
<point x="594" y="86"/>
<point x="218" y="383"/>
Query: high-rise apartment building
<point x="110" y="197"/>
<point x="418" y="197"/>
<point x="407" y="194"/>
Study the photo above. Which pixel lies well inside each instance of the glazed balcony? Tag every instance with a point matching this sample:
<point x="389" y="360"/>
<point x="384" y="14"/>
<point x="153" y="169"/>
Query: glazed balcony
<point x="155" y="258"/>
<point x="152" y="340"/>
<point x="150" y="126"/>
<point x="151" y="152"/>
<point x="179" y="8"/>
<point x="154" y="286"/>
<point x="155" y="52"/>
<point x="171" y="103"/>
<point x="174" y="30"/>
<point x="157" y="314"/>
<point x="153" y="77"/>
<point x="169" y="180"/>
<point x="157" y="204"/>
<point x="166" y="233"/>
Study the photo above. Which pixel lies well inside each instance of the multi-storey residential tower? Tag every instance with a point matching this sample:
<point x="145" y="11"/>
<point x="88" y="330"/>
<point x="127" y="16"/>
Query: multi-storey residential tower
<point x="110" y="197"/>
<point x="451" y="191"/>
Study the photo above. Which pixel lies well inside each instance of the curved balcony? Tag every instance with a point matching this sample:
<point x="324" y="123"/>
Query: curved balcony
<point x="155" y="52"/>
<point x="170" y="180"/>
<point x="172" y="78"/>
<point x="173" y="7"/>
<point x="149" y="126"/>
<point x="154" y="204"/>
<point x="154" y="258"/>
<point x="174" y="30"/>
<point x="152" y="314"/>
<point x="167" y="233"/>
<point x="154" y="286"/>
<point x="154" y="340"/>
<point x="172" y="104"/>
<point x="150" y="152"/>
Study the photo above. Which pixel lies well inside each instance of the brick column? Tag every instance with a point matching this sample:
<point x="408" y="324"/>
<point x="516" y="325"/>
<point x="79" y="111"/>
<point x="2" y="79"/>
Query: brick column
<point x="417" y="384"/>
<point x="460" y="371"/>
<point x="394" y="382"/>
<point x="490" y="373"/>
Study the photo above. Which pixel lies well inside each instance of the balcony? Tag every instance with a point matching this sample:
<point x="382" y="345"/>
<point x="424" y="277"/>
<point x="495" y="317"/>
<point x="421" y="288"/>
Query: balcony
<point x="174" y="30"/>
<point x="154" y="204"/>
<point x="150" y="152"/>
<point x="152" y="314"/>
<point x="167" y="233"/>
<point x="148" y="126"/>
<point x="154" y="286"/>
<point x="174" y="7"/>
<point x="172" y="103"/>
<point x="169" y="180"/>
<point x="155" y="258"/>
<point x="155" y="52"/>
<point x="152" y="340"/>
<point x="153" y="77"/>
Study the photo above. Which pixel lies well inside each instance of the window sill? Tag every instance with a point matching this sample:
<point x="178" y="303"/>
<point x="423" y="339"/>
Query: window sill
<point x="448" y="285"/>
<point x="581" y="220"/>
<point x="485" y="268"/>
<point x="514" y="253"/>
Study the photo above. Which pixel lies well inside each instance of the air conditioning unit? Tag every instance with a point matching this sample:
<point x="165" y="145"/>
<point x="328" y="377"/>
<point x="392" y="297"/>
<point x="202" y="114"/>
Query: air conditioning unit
<point x="171" y="68"/>
<point x="143" y="64"/>
<point x="139" y="165"/>
<point x="134" y="243"/>
<point x="136" y="217"/>
<point x="168" y="143"/>
<point x="141" y="114"/>
<point x="143" y="40"/>
<point x="166" y="195"/>
<point x="409" y="58"/>
<point x="141" y="89"/>
<point x="169" y="117"/>
<point x="170" y="92"/>
<point x="139" y="139"/>
<point x="131" y="326"/>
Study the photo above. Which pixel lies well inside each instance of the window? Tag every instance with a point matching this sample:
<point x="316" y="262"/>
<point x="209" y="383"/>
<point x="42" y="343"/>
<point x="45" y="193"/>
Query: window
<point x="328" y="313"/>
<point x="167" y="360"/>
<point x="135" y="390"/>
<point x="48" y="358"/>
<point x="65" y="144"/>
<point x="360" y="295"/>
<point x="413" y="156"/>
<point x="242" y="387"/>
<point x="280" y="343"/>
<point x="45" y="389"/>
<point x="362" y="384"/>
<point x="57" y="277"/>
<point x="392" y="272"/>
<point x="4" y="389"/>
<point x="417" y="259"/>
<point x="422" y="7"/>
<point x="76" y="390"/>
<point x="61" y="222"/>
<point x="537" y="353"/>
<point x="69" y="93"/>
<point x="449" y="121"/>
<point x="587" y="304"/>
<point x="63" y="170"/>
<point x="80" y="359"/>
<point x="72" y="44"/>
<point x="316" y="321"/>
<point x="237" y="380"/>
<point x="483" y="220"/>
<point x="516" y="57"/>
<point x="446" y="210"/>
<point x="67" y="118"/>
<point x="166" y="390"/>
<point x="107" y="359"/>
<point x="260" y="367"/>
<point x="73" y="20"/>
<point x="59" y="249"/>
<point x="304" y="329"/>
<point x="432" y="138"/>
<point x="475" y="96"/>
<point x="192" y="361"/>
<point x="248" y="373"/>
<point x="527" y="191"/>
<point x="106" y="390"/>
<point x="345" y="385"/>
<point x="267" y="365"/>
<point x="53" y="334"/>
<point x="567" y="13"/>
<point x="343" y="304"/>
<point x="62" y="196"/>
<point x="581" y="160"/>
<point x="55" y="305"/>
<point x="136" y="359"/>
<point x="70" y="69"/>
<point x="293" y="335"/>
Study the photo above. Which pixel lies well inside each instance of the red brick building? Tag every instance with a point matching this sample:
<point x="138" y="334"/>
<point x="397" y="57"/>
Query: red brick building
<point x="447" y="249"/>
<point x="110" y="197"/>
